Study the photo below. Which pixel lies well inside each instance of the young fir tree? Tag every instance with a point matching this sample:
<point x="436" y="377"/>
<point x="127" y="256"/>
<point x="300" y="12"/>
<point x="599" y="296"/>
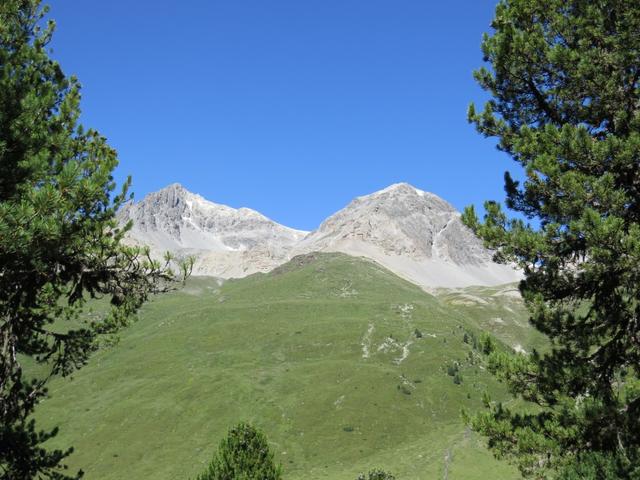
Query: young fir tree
<point x="564" y="81"/>
<point x="60" y="243"/>
<point x="243" y="455"/>
<point x="376" y="474"/>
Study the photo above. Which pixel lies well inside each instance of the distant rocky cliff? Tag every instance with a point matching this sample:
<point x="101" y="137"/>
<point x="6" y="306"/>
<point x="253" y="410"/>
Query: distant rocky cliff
<point x="226" y="242"/>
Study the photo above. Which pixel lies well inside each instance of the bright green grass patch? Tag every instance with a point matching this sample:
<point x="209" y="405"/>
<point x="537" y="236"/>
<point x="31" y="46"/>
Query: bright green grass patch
<point x="322" y="354"/>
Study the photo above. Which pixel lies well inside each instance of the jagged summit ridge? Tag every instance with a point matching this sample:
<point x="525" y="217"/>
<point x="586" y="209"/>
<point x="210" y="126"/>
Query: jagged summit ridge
<point x="226" y="241"/>
<point x="414" y="233"/>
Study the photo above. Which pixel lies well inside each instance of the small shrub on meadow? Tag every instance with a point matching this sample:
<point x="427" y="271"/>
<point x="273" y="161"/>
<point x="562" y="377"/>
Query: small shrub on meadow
<point x="243" y="455"/>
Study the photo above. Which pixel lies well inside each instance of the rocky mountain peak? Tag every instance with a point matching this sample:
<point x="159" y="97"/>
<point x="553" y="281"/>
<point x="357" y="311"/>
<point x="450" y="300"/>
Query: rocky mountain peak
<point x="402" y="220"/>
<point x="226" y="241"/>
<point x="171" y="196"/>
<point x="406" y="196"/>
<point x="414" y="233"/>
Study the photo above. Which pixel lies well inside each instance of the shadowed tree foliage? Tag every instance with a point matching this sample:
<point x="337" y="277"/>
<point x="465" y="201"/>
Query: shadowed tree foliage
<point x="376" y="474"/>
<point x="60" y="244"/>
<point x="564" y="81"/>
<point x="243" y="455"/>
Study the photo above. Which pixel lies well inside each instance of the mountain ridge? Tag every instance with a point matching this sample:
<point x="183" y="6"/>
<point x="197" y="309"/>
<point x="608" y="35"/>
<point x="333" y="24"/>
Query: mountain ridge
<point x="414" y="233"/>
<point x="227" y="242"/>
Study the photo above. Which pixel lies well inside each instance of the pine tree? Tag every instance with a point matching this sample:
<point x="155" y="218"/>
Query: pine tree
<point x="376" y="474"/>
<point x="60" y="244"/>
<point x="243" y="455"/>
<point x="565" y="105"/>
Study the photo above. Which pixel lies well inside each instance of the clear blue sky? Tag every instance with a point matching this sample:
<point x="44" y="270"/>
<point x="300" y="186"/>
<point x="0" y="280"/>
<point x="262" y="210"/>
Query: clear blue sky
<point x="289" y="107"/>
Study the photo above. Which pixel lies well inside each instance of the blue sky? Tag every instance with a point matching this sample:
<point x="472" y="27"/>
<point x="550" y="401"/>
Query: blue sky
<point x="289" y="107"/>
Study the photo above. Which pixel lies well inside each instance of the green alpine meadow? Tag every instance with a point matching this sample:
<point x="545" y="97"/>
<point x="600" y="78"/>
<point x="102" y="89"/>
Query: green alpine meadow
<point x="342" y="364"/>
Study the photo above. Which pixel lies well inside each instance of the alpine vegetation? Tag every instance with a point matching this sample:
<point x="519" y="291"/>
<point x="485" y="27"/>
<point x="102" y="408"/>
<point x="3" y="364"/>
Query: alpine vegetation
<point x="243" y="455"/>
<point x="565" y="87"/>
<point x="60" y="242"/>
<point x="357" y="344"/>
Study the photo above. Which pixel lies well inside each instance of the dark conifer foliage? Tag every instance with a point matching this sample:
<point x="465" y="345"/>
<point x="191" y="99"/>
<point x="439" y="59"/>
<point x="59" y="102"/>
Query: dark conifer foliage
<point x="60" y="244"/>
<point x="564" y="77"/>
<point x="243" y="455"/>
<point x="376" y="474"/>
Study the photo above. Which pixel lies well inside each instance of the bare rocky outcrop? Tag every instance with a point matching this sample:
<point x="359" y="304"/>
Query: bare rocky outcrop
<point x="226" y="242"/>
<point x="413" y="233"/>
<point x="401" y="220"/>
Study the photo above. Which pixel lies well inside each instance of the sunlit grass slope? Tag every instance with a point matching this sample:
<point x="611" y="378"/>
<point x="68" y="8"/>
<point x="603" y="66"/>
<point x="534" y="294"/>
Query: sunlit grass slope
<point x="341" y="363"/>
<point x="498" y="310"/>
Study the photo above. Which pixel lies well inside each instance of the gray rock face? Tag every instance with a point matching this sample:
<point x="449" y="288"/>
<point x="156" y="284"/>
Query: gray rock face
<point x="402" y="220"/>
<point x="226" y="242"/>
<point x="415" y="234"/>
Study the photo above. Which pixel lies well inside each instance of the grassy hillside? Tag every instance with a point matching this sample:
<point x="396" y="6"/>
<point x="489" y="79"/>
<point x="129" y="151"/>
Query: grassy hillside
<point x="341" y="363"/>
<point x="499" y="310"/>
